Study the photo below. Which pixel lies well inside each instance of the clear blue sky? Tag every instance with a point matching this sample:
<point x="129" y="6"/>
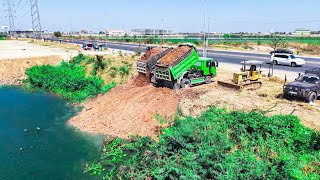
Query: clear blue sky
<point x="179" y="15"/>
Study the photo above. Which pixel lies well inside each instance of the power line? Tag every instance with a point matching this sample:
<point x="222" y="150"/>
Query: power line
<point x="22" y="7"/>
<point x="18" y="4"/>
<point x="25" y="13"/>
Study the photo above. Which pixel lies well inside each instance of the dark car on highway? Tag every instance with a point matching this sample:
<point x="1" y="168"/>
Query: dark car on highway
<point x="282" y="51"/>
<point x="306" y="86"/>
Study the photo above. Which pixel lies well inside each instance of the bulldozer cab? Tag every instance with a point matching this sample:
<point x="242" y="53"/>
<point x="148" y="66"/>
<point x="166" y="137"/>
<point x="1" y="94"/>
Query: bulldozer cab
<point x="250" y="71"/>
<point x="248" y="78"/>
<point x="253" y="69"/>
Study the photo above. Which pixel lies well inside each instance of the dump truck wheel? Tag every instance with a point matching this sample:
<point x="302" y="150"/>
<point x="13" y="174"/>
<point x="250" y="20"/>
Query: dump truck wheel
<point x="153" y="78"/>
<point x="176" y="86"/>
<point x="312" y="97"/>
<point x="208" y="80"/>
<point x="185" y="83"/>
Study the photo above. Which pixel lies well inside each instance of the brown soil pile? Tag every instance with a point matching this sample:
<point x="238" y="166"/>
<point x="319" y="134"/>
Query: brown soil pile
<point x="151" y="53"/>
<point x="171" y="57"/>
<point x="128" y="110"/>
<point x="12" y="72"/>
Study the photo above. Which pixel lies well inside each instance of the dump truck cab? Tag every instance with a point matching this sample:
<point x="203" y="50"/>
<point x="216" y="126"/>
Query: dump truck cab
<point x="207" y="66"/>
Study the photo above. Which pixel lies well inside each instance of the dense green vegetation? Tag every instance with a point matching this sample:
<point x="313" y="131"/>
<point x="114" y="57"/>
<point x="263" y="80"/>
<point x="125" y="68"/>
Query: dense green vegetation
<point x="217" y="145"/>
<point x="68" y="79"/>
<point x="3" y="37"/>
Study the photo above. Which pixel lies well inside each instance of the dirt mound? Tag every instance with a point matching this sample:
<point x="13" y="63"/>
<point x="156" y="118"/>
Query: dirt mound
<point x="152" y="52"/>
<point x="140" y="81"/>
<point x="128" y="110"/>
<point x="171" y="57"/>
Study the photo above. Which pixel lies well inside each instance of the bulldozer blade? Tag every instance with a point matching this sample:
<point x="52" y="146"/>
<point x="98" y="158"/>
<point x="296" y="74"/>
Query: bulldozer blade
<point x="229" y="85"/>
<point x="248" y="86"/>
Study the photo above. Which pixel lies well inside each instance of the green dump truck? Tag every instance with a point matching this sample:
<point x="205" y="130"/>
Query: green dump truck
<point x="183" y="68"/>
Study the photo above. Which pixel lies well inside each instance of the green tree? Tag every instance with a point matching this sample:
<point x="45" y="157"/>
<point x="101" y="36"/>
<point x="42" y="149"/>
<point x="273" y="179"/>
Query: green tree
<point x="134" y="38"/>
<point x="259" y="43"/>
<point x="226" y="36"/>
<point x="276" y="43"/>
<point x="57" y="34"/>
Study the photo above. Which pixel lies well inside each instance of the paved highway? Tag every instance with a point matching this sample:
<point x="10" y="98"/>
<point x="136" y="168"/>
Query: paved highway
<point x="222" y="56"/>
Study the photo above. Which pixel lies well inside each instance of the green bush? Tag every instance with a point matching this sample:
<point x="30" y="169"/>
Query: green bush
<point x="68" y="80"/>
<point x="124" y="70"/>
<point x="3" y="36"/>
<point x="217" y="145"/>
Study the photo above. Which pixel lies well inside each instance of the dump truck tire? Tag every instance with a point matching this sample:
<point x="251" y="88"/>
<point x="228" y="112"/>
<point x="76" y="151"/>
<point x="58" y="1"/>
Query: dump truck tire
<point x="312" y="97"/>
<point x="176" y="86"/>
<point x="208" y="80"/>
<point x="185" y="83"/>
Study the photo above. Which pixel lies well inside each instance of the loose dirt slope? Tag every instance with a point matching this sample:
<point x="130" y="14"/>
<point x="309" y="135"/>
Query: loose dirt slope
<point x="128" y="110"/>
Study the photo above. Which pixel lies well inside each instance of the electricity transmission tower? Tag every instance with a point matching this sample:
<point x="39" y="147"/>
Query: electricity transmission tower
<point x="36" y="25"/>
<point x="11" y="12"/>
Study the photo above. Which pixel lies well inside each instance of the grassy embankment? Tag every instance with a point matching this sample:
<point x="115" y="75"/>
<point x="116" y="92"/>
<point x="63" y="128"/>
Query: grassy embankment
<point x="217" y="145"/>
<point x="82" y="78"/>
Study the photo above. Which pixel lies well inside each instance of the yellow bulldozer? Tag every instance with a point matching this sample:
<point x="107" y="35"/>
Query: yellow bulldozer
<point x="248" y="78"/>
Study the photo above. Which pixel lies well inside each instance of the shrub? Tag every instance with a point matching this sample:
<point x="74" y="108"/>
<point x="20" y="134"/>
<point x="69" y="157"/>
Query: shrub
<point x="68" y="80"/>
<point x="137" y="51"/>
<point x="217" y="145"/>
<point x="124" y="71"/>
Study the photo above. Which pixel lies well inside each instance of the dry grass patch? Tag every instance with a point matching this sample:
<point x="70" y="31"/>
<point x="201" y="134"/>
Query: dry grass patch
<point x="12" y="72"/>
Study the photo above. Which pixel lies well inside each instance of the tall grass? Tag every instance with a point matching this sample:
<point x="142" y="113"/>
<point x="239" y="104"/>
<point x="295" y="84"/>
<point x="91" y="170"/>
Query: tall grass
<point x="217" y="145"/>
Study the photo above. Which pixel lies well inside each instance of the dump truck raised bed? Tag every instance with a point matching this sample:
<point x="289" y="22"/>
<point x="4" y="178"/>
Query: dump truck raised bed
<point x="145" y="64"/>
<point x="183" y="68"/>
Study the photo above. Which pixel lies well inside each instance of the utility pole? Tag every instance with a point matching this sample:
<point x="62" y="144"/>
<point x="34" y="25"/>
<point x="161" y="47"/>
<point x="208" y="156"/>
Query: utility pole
<point x="209" y="18"/>
<point x="36" y="25"/>
<point x="11" y="13"/>
<point x="204" y="29"/>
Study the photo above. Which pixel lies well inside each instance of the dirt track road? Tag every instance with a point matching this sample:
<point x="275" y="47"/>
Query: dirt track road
<point x="13" y="49"/>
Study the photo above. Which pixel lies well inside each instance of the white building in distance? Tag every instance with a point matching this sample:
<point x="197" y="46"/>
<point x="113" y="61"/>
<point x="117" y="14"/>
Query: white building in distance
<point x="110" y="32"/>
<point x="151" y="32"/>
